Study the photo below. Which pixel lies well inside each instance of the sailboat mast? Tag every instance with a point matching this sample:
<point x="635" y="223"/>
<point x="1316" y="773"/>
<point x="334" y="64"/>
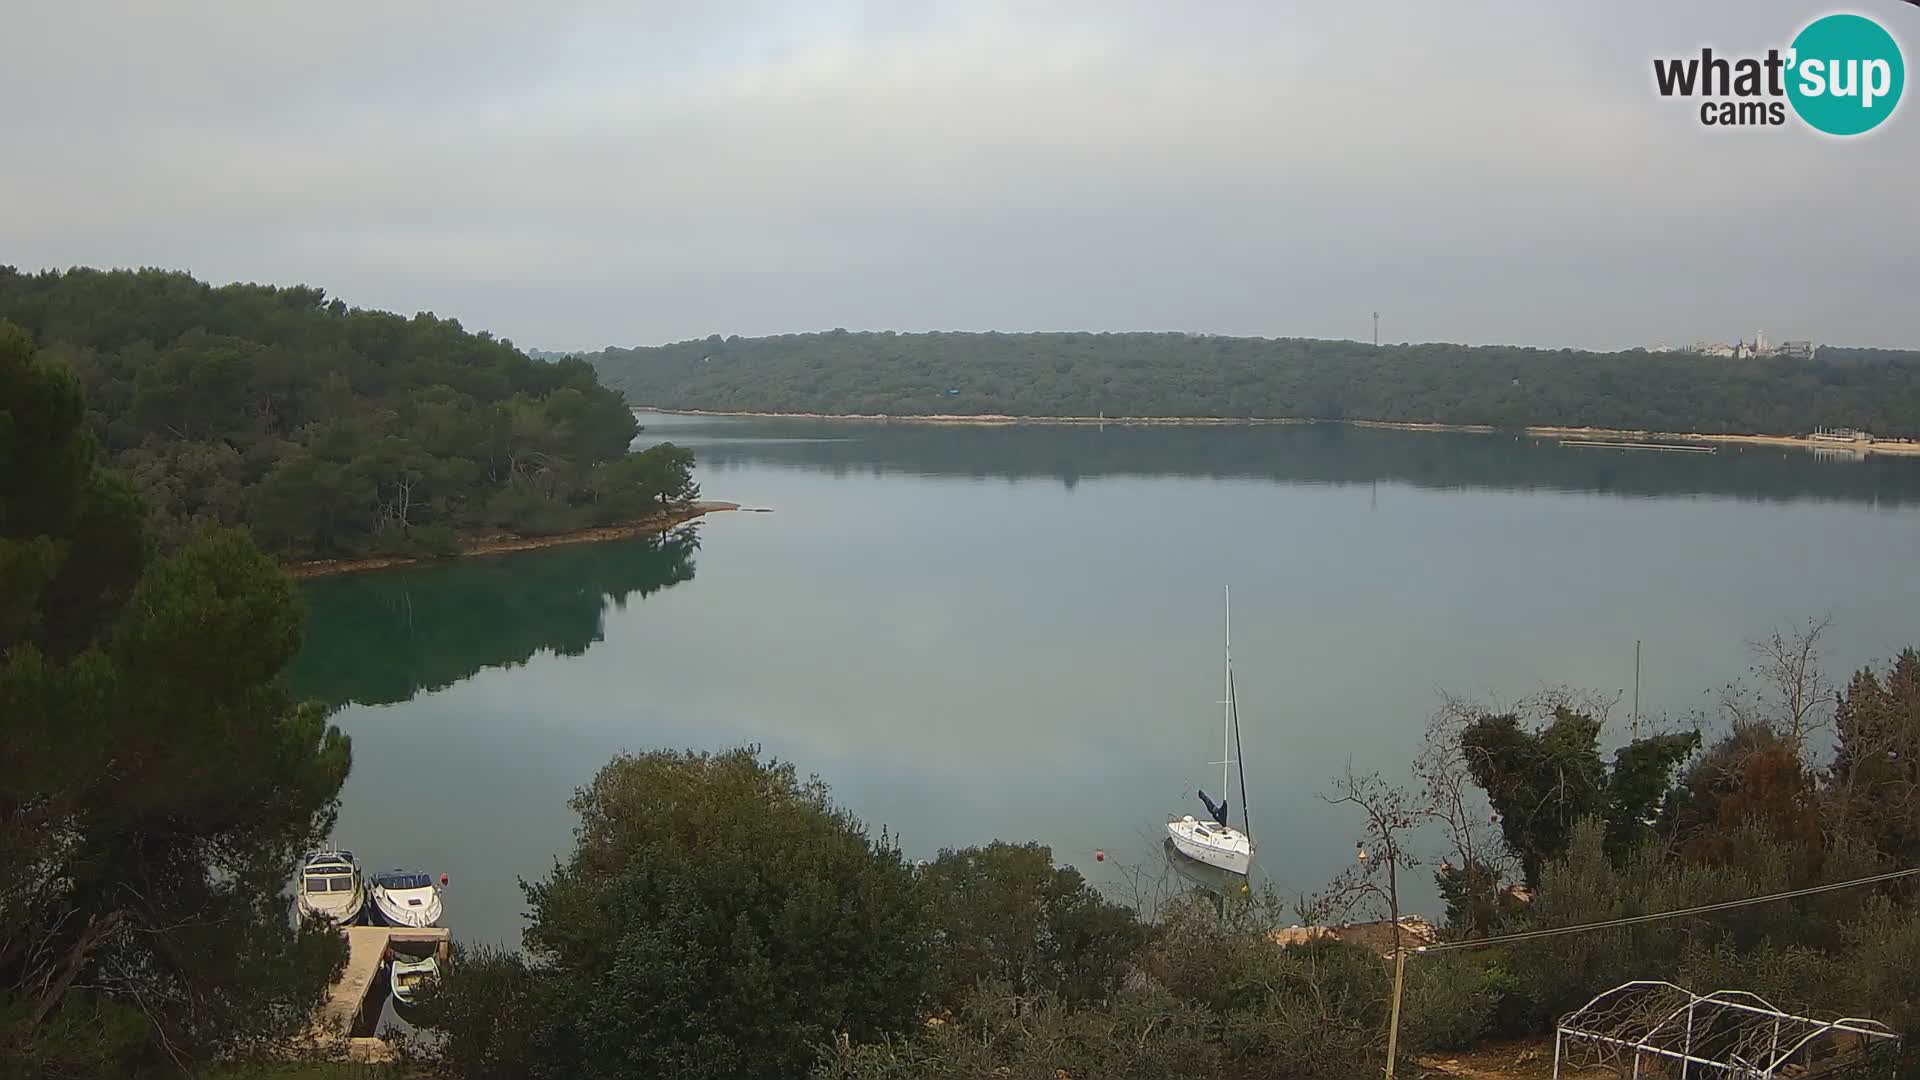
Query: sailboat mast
<point x="1239" y="755"/>
<point x="1226" y="721"/>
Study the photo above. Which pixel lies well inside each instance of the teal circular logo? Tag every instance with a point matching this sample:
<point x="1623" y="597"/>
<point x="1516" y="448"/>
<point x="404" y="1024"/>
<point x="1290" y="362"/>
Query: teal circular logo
<point x="1846" y="74"/>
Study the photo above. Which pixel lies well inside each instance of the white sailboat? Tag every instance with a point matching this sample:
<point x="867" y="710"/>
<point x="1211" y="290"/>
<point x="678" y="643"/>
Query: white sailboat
<point x="1214" y="841"/>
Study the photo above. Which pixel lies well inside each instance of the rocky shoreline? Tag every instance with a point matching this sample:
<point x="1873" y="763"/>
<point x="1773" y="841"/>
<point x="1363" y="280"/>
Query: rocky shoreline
<point x="508" y="543"/>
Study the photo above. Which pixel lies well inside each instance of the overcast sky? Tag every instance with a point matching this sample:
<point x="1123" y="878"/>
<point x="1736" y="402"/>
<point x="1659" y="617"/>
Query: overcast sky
<point x="625" y="173"/>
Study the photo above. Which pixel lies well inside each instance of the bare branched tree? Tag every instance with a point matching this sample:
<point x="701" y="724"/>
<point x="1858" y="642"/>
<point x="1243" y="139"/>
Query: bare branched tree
<point x="1373" y="881"/>
<point x="1146" y="887"/>
<point x="1476" y="860"/>
<point x="1548" y="700"/>
<point x="1449" y="796"/>
<point x="1790" y="692"/>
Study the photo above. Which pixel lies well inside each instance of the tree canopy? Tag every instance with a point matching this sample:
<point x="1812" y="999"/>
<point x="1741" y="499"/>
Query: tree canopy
<point x="1543" y="783"/>
<point x="332" y="430"/>
<point x="157" y="782"/>
<point x="718" y="916"/>
<point x="1874" y="782"/>
<point x="1005" y="914"/>
<point x="1141" y="374"/>
<point x="1755" y="813"/>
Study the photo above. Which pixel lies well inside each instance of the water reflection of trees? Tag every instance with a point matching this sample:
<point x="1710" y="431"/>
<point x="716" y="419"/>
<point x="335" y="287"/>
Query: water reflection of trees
<point x="384" y="637"/>
<point x="1296" y="453"/>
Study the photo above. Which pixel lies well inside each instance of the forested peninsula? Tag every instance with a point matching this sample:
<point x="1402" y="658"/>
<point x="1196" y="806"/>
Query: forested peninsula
<point x="335" y="432"/>
<point x="1187" y="375"/>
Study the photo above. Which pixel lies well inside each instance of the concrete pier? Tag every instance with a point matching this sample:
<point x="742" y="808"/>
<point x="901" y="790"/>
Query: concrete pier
<point x="353" y="1004"/>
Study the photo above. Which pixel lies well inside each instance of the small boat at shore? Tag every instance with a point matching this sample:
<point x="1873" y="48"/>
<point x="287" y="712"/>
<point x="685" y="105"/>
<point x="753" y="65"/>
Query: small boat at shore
<point x="331" y="887"/>
<point x="405" y="898"/>
<point x="1215" y="842"/>
<point x="406" y="975"/>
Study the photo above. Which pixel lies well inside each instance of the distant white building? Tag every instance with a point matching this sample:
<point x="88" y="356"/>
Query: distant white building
<point x="1842" y="434"/>
<point x="1744" y="350"/>
<point x="1755" y="348"/>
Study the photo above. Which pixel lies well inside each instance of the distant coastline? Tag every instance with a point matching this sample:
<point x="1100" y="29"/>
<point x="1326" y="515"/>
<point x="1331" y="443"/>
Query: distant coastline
<point x="506" y="544"/>
<point x="1799" y="442"/>
<point x="984" y="419"/>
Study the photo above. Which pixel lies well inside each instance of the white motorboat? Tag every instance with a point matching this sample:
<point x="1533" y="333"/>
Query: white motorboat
<point x="1215" y="842"/>
<point x="331" y="886"/>
<point x="405" y="898"/>
<point x="406" y="975"/>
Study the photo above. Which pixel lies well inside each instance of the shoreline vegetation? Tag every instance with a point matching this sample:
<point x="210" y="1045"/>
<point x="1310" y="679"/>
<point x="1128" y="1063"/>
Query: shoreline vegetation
<point x="1799" y="442"/>
<point x="510" y="543"/>
<point x="332" y="432"/>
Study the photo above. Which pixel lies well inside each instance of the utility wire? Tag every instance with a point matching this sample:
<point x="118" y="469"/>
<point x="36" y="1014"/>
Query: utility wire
<point x="1529" y="935"/>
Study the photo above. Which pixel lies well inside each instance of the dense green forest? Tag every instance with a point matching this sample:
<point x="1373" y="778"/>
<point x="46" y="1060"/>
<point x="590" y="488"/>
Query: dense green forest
<point x="157" y="779"/>
<point x="1085" y="374"/>
<point x="331" y="430"/>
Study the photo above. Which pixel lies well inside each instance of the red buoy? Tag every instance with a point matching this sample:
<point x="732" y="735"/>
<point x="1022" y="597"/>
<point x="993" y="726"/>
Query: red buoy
<point x="1099" y="856"/>
<point x="443" y="881"/>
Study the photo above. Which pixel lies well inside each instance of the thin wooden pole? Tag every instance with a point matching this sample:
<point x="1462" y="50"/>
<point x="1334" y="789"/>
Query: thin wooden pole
<point x="1393" y="1024"/>
<point x="1636" y="689"/>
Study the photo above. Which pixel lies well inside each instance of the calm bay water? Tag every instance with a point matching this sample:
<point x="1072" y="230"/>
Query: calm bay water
<point x="977" y="633"/>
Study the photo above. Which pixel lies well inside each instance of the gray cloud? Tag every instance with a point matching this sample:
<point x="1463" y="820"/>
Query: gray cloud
<point x="582" y="174"/>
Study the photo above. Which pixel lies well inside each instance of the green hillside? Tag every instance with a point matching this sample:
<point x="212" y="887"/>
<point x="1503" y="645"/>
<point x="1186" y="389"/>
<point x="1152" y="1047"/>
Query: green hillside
<point x="1077" y="374"/>
<point x="332" y="430"/>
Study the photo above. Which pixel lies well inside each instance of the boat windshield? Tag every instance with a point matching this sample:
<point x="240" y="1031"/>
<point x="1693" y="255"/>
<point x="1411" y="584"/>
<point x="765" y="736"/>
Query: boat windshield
<point x="329" y="884"/>
<point x="403" y="881"/>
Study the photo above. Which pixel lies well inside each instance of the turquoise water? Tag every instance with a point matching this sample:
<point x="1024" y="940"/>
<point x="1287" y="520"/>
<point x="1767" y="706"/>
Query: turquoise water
<point x="1014" y="632"/>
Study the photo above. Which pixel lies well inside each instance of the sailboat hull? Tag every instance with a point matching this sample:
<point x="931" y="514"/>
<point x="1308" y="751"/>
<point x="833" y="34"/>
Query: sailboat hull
<point x="1218" y="846"/>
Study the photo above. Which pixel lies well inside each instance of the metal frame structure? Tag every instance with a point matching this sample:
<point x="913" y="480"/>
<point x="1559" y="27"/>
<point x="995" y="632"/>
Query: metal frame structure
<point x="1727" y="1034"/>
